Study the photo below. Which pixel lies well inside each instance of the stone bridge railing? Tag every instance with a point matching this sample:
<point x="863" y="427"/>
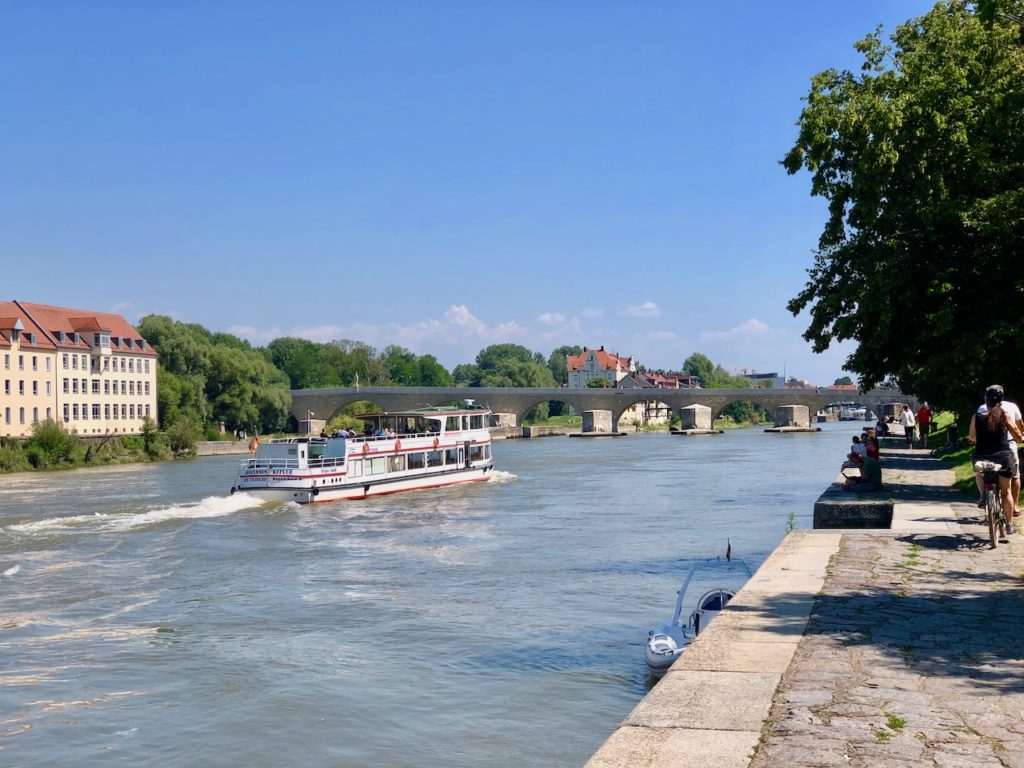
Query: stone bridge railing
<point x="324" y="403"/>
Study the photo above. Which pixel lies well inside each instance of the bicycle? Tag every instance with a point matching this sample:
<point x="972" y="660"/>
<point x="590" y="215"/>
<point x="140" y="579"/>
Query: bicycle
<point x="994" y="514"/>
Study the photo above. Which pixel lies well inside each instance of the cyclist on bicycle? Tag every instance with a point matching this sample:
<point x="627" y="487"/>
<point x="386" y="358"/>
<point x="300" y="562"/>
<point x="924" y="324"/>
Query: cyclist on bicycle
<point x="989" y="434"/>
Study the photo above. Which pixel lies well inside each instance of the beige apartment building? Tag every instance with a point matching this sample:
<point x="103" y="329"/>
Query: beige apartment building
<point x="89" y="370"/>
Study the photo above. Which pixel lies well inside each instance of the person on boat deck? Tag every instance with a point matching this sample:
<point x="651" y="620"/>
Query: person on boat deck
<point x="870" y="478"/>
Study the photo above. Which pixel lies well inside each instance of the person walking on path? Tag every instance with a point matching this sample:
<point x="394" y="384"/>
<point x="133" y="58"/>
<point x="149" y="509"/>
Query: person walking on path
<point x="924" y="422"/>
<point x="907" y="422"/>
<point x="1013" y="414"/>
<point x="992" y="434"/>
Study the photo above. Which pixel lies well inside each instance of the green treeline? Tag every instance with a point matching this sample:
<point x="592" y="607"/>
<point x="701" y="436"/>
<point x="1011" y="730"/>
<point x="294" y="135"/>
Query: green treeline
<point x="205" y="379"/>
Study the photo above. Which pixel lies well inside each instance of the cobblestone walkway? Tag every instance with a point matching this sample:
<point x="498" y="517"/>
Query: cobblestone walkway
<point x="914" y="655"/>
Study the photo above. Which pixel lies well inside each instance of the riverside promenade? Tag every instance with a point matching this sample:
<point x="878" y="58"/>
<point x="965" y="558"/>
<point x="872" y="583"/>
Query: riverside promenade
<point x="873" y="648"/>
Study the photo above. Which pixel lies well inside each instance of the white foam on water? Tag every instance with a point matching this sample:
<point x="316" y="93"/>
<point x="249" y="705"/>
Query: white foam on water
<point x="11" y="571"/>
<point x="499" y="476"/>
<point x="211" y="506"/>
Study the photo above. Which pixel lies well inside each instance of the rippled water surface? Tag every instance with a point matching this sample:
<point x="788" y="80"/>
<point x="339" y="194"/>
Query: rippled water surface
<point x="148" y="618"/>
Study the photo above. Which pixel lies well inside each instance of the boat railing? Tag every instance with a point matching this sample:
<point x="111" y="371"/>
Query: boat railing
<point x="279" y="464"/>
<point x="396" y="436"/>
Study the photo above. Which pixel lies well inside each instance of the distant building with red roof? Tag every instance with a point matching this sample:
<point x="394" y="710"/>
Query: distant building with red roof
<point x="593" y="364"/>
<point x="90" y="371"/>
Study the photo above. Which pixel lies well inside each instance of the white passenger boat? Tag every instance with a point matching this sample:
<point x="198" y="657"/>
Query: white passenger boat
<point x="399" y="451"/>
<point x="667" y="641"/>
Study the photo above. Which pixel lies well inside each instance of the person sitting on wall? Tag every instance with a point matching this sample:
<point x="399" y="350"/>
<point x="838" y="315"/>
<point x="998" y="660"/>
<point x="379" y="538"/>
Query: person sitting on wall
<point x="857" y="447"/>
<point x="869" y="479"/>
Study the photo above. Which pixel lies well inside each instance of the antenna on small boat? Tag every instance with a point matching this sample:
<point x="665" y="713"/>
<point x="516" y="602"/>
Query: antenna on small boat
<point x="728" y="549"/>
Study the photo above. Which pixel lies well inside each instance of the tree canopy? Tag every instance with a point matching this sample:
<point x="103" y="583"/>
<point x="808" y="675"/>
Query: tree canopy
<point x="920" y="156"/>
<point x="206" y="378"/>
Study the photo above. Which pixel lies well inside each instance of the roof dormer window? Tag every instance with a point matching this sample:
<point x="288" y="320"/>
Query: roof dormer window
<point x="74" y="337"/>
<point x="61" y="336"/>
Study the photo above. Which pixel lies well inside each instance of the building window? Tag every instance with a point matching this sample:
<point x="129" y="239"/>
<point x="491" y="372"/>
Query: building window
<point x="95" y="386"/>
<point x="74" y="362"/>
<point x="49" y="414"/>
<point x="65" y="412"/>
<point x="7" y="415"/>
<point x="106" y="364"/>
<point x="64" y="360"/>
<point x="21" y="362"/>
<point x="123" y="361"/>
<point x="85" y="386"/>
<point x="7" y="386"/>
<point x="124" y="411"/>
<point x="147" y="411"/>
<point x="131" y="411"/>
<point x="74" y="386"/>
<point x="7" y="365"/>
<point x="106" y="387"/>
<point x="84" y="363"/>
<point x="96" y="411"/>
<point x="47" y="364"/>
<point x="21" y="386"/>
<point x="74" y="411"/>
<point x="21" y="415"/>
<point x="147" y="387"/>
<point x="48" y="388"/>
<point x="35" y="387"/>
<point x="147" y="366"/>
<point x="106" y="411"/>
<point x="131" y="387"/>
<point x="115" y="413"/>
<point x="131" y="366"/>
<point x="85" y="412"/>
<point x="35" y="415"/>
<point x="65" y="386"/>
<point x="35" y="363"/>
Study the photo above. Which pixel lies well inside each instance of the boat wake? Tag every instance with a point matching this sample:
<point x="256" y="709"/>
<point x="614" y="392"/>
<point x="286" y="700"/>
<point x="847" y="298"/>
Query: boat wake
<point x="499" y="476"/>
<point x="211" y="506"/>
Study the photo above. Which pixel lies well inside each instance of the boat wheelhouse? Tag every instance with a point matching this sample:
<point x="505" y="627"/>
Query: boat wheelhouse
<point x="398" y="451"/>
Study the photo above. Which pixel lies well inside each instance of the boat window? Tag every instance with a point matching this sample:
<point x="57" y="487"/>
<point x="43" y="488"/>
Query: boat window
<point x="465" y="422"/>
<point x="379" y="465"/>
<point x="355" y="469"/>
<point x="487" y="451"/>
<point x="434" y="458"/>
<point x="451" y="424"/>
<point x="396" y="463"/>
<point x="316" y="450"/>
<point x="451" y="456"/>
<point x="476" y="422"/>
<point x="417" y="461"/>
<point x="476" y="452"/>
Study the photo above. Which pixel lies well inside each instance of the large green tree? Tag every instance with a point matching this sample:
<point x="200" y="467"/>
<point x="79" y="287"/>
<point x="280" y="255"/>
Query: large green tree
<point x="920" y="156"/>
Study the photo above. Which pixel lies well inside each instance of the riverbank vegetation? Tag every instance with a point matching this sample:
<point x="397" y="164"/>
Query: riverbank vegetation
<point x="50" y="446"/>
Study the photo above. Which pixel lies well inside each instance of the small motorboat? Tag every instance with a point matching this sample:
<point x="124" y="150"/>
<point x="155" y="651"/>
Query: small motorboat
<point x="667" y="641"/>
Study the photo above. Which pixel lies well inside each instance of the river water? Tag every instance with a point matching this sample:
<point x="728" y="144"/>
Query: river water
<point x="147" y="618"/>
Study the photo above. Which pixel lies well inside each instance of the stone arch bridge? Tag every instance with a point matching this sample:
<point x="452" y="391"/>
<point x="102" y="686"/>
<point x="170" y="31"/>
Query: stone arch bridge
<point x="324" y="403"/>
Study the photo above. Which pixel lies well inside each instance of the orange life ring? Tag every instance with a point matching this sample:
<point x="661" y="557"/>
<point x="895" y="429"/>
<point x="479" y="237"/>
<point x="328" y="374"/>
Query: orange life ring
<point x="437" y="442"/>
<point x="398" y="445"/>
<point x="366" y="448"/>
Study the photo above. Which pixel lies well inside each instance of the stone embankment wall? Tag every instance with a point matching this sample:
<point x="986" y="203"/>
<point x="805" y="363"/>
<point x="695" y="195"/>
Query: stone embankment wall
<point x="221" y="447"/>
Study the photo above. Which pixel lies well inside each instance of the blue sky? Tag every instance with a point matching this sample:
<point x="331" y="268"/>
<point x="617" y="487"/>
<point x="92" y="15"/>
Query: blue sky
<point x="439" y="175"/>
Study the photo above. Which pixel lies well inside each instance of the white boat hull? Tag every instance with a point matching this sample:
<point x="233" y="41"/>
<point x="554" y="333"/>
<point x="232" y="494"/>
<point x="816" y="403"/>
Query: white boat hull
<point x="308" y="493"/>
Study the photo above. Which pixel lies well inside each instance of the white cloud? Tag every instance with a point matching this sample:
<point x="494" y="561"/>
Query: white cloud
<point x="551" y="318"/>
<point x="661" y="335"/>
<point x="647" y="309"/>
<point x="748" y="329"/>
<point x="591" y="312"/>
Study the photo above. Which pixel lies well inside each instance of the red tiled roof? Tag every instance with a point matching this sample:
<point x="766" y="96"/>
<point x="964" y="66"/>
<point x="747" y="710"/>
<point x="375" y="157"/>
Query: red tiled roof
<point x="11" y="313"/>
<point x="606" y="361"/>
<point x="70" y="321"/>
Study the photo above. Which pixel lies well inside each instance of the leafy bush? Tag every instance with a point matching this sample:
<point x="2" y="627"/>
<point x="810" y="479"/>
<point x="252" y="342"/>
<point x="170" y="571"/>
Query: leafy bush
<point x="12" y="457"/>
<point x="50" y="446"/>
<point x="182" y="436"/>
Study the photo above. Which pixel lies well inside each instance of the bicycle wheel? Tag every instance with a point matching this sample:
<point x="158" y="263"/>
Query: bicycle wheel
<point x="992" y="513"/>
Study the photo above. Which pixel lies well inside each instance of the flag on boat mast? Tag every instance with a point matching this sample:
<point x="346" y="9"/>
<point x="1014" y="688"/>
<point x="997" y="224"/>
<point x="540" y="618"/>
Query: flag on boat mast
<point x="254" y="443"/>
